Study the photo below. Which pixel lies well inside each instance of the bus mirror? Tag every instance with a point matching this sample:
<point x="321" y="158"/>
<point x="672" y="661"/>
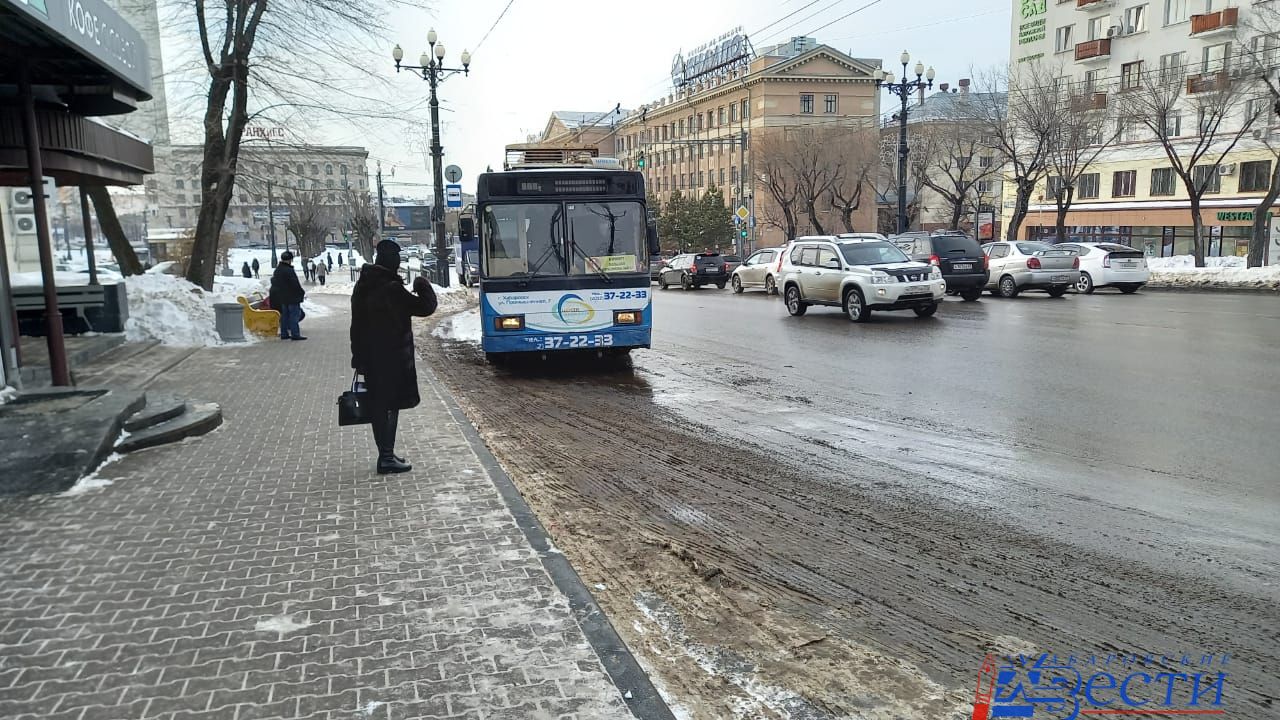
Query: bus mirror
<point x="651" y="232"/>
<point x="466" y="228"/>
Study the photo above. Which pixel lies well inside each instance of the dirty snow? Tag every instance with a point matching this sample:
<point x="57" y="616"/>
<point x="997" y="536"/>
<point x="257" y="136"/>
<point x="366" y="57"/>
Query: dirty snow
<point x="169" y="309"/>
<point x="1220" y="272"/>
<point x="462" y="327"/>
<point x="8" y="394"/>
<point x="281" y="624"/>
<point x="93" y="481"/>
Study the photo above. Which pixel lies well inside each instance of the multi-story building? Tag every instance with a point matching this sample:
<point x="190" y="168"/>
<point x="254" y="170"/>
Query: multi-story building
<point x="1104" y="49"/>
<point x="700" y="136"/>
<point x="265" y="173"/>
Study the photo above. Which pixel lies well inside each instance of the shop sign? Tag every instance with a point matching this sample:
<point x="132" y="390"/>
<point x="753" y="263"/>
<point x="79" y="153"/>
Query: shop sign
<point x="1238" y="215"/>
<point x="1032" y="28"/>
<point x="98" y="31"/>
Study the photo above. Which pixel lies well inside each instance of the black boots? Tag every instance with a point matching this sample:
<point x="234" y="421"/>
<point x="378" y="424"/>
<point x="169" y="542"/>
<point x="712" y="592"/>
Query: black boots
<point x="384" y="436"/>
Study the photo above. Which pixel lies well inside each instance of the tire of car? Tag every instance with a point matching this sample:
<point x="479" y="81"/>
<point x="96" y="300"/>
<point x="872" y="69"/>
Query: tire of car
<point x="855" y="307"/>
<point x="662" y="282"/>
<point x="1085" y="284"/>
<point x="971" y="295"/>
<point x="926" y="310"/>
<point x="770" y="286"/>
<point x="1130" y="288"/>
<point x="795" y="305"/>
<point x="1057" y="292"/>
<point x="686" y="283"/>
<point x="1008" y="287"/>
<point x="719" y="286"/>
<point x="737" y="285"/>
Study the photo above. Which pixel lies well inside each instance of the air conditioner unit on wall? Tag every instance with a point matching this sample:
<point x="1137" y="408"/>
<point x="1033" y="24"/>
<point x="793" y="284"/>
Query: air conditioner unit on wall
<point x="1227" y="169"/>
<point x="24" y="224"/>
<point x="1113" y="31"/>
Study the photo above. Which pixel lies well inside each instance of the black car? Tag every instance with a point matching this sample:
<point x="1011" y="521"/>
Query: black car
<point x="691" y="271"/>
<point x="656" y="263"/>
<point x="963" y="264"/>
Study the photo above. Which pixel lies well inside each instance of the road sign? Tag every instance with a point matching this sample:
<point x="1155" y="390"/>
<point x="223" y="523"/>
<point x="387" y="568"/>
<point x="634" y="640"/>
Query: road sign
<point x="453" y="173"/>
<point x="743" y="213"/>
<point x="453" y="196"/>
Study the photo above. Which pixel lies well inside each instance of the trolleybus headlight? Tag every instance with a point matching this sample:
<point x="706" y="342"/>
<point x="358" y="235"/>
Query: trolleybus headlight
<point x="509" y="322"/>
<point x="626" y="317"/>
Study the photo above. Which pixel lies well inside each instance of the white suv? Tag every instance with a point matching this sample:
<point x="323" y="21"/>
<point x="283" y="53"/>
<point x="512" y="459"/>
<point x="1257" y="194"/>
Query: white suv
<point x="858" y="276"/>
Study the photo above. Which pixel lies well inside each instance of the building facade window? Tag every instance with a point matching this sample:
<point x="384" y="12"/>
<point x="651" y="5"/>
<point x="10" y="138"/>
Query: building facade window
<point x="1135" y="19"/>
<point x="1176" y="11"/>
<point x="178" y="184"/>
<point x="829" y="104"/>
<point x="1173" y="125"/>
<point x="722" y="176"/>
<point x="745" y="111"/>
<point x="733" y="113"/>
<point x="1088" y="186"/>
<point x="720" y="116"/>
<point x="1098" y="27"/>
<point x="328" y="168"/>
<point x="733" y="174"/>
<point x="1131" y="75"/>
<point x="806" y="104"/>
<point x="1207" y="177"/>
<point x="1172" y="67"/>
<point x="1124" y="183"/>
<point x="1255" y="176"/>
<point x="985" y="161"/>
<point x="1216" y="58"/>
<point x="329" y="183"/>
<point x="1063" y="40"/>
<point x="984" y="186"/>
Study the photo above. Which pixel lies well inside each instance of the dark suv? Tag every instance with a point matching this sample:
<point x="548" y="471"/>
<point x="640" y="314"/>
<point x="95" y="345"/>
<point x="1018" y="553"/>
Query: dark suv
<point x="963" y="264"/>
<point x="690" y="271"/>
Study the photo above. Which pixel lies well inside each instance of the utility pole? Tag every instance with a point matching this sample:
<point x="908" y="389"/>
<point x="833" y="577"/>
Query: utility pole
<point x="382" y="209"/>
<point x="88" y="235"/>
<point x="271" y="224"/>
<point x="437" y="179"/>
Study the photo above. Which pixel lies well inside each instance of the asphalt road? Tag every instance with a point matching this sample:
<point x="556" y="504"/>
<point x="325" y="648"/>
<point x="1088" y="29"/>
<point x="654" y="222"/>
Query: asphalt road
<point x="834" y="507"/>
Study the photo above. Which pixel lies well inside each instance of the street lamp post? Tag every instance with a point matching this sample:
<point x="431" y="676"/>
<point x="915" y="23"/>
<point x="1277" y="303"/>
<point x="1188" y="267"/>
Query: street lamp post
<point x="904" y="90"/>
<point x="434" y="72"/>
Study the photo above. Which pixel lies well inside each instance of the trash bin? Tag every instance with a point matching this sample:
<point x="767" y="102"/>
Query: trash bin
<point x="229" y="320"/>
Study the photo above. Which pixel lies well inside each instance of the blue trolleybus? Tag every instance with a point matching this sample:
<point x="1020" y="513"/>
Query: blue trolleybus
<point x="564" y="259"/>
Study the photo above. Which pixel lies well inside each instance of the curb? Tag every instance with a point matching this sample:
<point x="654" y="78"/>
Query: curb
<point x="1211" y="289"/>
<point x="621" y="666"/>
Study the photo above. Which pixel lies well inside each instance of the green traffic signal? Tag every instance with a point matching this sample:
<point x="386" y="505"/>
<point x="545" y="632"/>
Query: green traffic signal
<point x="743" y="233"/>
<point x="640" y="161"/>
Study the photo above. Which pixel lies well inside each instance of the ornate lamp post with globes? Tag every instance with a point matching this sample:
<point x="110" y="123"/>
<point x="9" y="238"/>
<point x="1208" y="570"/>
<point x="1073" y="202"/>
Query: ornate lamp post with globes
<point x="431" y="67"/>
<point x="904" y="90"/>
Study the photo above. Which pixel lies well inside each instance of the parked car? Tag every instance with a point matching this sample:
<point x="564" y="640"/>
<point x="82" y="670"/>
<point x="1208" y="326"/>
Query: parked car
<point x="1016" y="267"/>
<point x="859" y="276"/>
<point x="691" y="271"/>
<point x="862" y="236"/>
<point x="1109" y="265"/>
<point x="731" y="263"/>
<point x="656" y="263"/>
<point x="963" y="264"/>
<point x="756" y="271"/>
<point x="471" y="268"/>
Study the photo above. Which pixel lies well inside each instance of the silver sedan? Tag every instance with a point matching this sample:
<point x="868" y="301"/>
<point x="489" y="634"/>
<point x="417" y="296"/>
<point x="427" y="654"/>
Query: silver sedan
<point x="757" y="271"/>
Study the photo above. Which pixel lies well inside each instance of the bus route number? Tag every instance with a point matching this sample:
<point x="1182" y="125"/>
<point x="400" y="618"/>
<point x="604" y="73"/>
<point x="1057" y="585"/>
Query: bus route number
<point x="571" y="342"/>
<point x="624" y="295"/>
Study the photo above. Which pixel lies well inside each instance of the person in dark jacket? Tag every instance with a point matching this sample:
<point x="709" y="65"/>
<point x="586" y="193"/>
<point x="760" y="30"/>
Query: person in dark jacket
<point x="245" y="271"/>
<point x="286" y="296"/>
<point x="329" y="260"/>
<point x="255" y="267"/>
<point x="382" y="345"/>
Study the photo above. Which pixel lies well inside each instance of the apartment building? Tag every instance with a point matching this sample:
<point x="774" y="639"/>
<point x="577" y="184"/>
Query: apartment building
<point x="328" y="170"/>
<point x="700" y="135"/>
<point x="1105" y="48"/>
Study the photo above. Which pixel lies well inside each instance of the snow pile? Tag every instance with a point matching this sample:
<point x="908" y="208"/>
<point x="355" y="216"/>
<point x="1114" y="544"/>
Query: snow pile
<point x="61" y="279"/>
<point x="460" y="327"/>
<point x="171" y="310"/>
<point x="7" y="394"/>
<point x="1221" y="273"/>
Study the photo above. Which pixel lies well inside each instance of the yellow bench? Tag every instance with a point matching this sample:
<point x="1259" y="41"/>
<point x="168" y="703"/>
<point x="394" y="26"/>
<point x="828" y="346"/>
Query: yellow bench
<point x="257" y="320"/>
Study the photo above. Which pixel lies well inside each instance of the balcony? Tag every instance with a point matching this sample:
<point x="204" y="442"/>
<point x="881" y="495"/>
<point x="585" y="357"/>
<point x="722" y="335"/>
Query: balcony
<point x="1094" y="50"/>
<point x="1222" y="22"/>
<point x="1091" y="5"/>
<point x="1089" y="101"/>
<point x="1207" y="82"/>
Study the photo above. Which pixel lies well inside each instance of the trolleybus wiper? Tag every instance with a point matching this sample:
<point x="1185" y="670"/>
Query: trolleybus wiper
<point x="586" y="261"/>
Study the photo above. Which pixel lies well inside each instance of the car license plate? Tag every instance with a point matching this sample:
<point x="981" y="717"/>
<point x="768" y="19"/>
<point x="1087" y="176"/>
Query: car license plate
<point x="712" y="271"/>
<point x="1059" y="278"/>
<point x="961" y="266"/>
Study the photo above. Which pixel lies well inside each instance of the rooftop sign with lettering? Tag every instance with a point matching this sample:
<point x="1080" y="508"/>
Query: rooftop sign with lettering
<point x="98" y="32"/>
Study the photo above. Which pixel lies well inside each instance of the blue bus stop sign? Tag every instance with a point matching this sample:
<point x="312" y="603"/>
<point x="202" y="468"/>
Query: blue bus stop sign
<point x="453" y="195"/>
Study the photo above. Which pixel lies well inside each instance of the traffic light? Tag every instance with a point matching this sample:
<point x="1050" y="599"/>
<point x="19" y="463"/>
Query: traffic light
<point x="742" y="234"/>
<point x="640" y="161"/>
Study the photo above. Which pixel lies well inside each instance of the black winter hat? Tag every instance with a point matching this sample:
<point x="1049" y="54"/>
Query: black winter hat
<point x="387" y="254"/>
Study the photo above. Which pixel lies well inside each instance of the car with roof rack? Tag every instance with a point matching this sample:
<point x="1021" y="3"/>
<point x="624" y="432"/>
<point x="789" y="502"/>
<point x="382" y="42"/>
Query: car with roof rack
<point x="858" y="276"/>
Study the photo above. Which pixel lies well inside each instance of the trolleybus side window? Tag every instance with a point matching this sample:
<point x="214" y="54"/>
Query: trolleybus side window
<point x="523" y="239"/>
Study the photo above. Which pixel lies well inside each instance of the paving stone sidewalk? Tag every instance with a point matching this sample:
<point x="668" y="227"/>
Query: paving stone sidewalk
<point x="265" y="571"/>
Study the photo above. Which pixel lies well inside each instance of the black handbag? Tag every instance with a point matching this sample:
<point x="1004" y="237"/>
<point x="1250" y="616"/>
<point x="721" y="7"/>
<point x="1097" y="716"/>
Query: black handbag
<point x="353" y="405"/>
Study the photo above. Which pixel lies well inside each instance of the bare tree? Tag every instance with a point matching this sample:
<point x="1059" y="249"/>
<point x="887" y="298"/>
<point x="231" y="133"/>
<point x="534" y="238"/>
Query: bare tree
<point x="362" y="220"/>
<point x="777" y="169"/>
<point x="887" y="181"/>
<point x="951" y="161"/>
<point x="126" y="258"/>
<point x="859" y="154"/>
<point x="1082" y="130"/>
<point x="309" y="220"/>
<point x="1213" y="100"/>
<point x="250" y="51"/>
<point x="1259" y="38"/>
<point x="1019" y="119"/>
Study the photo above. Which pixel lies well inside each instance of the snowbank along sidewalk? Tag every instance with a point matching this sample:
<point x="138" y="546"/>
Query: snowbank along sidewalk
<point x="1220" y="273"/>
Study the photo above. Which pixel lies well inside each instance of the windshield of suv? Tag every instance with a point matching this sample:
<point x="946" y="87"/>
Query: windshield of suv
<point x="872" y="253"/>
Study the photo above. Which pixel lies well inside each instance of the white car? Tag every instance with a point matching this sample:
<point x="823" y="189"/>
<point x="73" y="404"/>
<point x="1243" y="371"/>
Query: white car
<point x="857" y="276"/>
<point x="1109" y="265"/>
<point x="757" y="271"/>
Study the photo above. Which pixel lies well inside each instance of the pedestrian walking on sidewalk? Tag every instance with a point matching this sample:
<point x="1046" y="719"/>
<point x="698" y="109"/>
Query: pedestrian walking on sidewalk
<point x="245" y="271"/>
<point x="329" y="260"/>
<point x="286" y="295"/>
<point x="255" y="267"/>
<point x="339" y="259"/>
<point x="321" y="272"/>
<point x="382" y="346"/>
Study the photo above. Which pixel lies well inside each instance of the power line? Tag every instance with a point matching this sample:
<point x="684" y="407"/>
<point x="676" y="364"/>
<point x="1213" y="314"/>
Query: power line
<point x="494" y="25"/>
<point x="779" y="33"/>
<point x="784" y="17"/>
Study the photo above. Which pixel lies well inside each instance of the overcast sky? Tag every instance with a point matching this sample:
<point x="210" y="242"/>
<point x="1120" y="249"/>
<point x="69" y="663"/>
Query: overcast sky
<point x="549" y="55"/>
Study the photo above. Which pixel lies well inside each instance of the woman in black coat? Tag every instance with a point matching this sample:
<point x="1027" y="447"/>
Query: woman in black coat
<point x="382" y="345"/>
